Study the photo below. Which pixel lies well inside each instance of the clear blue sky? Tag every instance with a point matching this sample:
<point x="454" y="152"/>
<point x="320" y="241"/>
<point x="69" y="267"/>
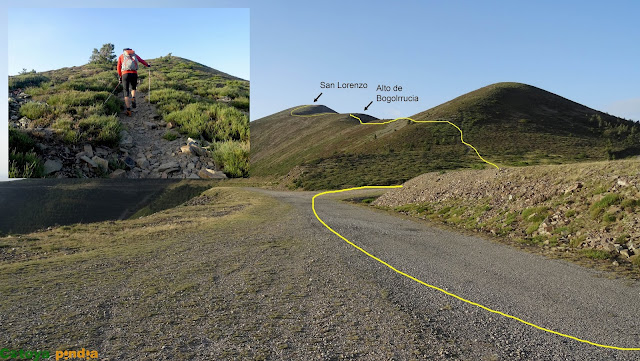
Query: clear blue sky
<point x="586" y="51"/>
<point x="57" y="38"/>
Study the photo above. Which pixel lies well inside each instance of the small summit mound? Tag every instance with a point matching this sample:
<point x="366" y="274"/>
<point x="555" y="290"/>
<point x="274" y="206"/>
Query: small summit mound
<point x="312" y="110"/>
<point x="365" y="118"/>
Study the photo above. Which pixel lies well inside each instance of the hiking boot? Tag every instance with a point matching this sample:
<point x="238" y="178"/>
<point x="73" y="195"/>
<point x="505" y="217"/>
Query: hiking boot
<point x="133" y="102"/>
<point x="128" y="112"/>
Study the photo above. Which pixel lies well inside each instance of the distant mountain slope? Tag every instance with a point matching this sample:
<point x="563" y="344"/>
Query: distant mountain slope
<point x="283" y="141"/>
<point x="311" y="110"/>
<point x="509" y="124"/>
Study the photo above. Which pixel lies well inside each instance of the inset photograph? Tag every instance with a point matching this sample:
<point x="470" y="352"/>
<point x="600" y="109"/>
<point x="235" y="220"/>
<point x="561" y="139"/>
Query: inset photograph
<point x="91" y="97"/>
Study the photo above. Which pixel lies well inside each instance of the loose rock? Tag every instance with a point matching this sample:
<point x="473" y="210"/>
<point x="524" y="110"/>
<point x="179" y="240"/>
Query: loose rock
<point x="52" y="166"/>
<point x="207" y="173"/>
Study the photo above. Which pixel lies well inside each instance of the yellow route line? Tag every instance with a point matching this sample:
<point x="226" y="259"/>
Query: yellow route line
<point x="313" y="206"/>
<point x="431" y="121"/>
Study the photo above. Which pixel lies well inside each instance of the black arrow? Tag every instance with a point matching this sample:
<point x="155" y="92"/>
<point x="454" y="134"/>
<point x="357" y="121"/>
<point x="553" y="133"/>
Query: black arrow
<point x="367" y="107"/>
<point x="316" y="99"/>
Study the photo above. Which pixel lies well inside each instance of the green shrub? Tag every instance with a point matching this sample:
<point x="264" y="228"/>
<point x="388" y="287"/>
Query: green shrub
<point x="103" y="129"/>
<point x="20" y="141"/>
<point x="571" y="213"/>
<point x="26" y="80"/>
<point x="609" y="217"/>
<point x="67" y="101"/>
<point x="630" y="204"/>
<point x="42" y="89"/>
<point x="33" y="110"/>
<point x="25" y="165"/>
<point x="86" y="84"/>
<point x="242" y="103"/>
<point x="233" y="157"/>
<point x="65" y="127"/>
<point x="160" y="96"/>
<point x="214" y="122"/>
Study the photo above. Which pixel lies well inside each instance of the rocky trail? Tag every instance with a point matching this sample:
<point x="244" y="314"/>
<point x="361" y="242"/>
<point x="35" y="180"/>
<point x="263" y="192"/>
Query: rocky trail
<point x="143" y="151"/>
<point x="149" y="155"/>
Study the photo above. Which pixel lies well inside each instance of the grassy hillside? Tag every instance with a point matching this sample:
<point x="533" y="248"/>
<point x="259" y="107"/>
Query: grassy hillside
<point x="70" y="106"/>
<point x="586" y="210"/>
<point x="509" y="123"/>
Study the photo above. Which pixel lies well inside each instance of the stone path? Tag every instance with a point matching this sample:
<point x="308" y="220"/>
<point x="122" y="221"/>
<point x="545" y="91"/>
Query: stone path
<point x="151" y="155"/>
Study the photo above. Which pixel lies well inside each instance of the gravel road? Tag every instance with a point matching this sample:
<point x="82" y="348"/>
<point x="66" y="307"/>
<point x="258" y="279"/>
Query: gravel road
<point x="550" y="293"/>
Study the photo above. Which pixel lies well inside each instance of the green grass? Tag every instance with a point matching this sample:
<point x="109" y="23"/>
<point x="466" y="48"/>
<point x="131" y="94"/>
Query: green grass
<point x="511" y="218"/>
<point x="600" y="206"/>
<point x="170" y="135"/>
<point x="535" y="214"/>
<point x="596" y="254"/>
<point x="532" y="227"/>
<point x="622" y="239"/>
<point x="157" y="258"/>
<point x="630" y="204"/>
<point x="241" y="103"/>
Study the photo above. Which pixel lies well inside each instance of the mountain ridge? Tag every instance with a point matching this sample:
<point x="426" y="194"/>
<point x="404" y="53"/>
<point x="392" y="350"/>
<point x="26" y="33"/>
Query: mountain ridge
<point x="509" y="123"/>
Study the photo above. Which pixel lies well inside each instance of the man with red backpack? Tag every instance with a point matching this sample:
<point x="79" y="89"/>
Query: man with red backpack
<point x="128" y="73"/>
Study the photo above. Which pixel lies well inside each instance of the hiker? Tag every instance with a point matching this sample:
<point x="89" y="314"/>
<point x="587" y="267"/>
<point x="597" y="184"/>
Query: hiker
<point x="128" y="73"/>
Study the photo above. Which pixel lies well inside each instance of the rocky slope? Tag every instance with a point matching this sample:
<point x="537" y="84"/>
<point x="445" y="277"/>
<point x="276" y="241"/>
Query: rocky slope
<point x="586" y="208"/>
<point x="144" y="152"/>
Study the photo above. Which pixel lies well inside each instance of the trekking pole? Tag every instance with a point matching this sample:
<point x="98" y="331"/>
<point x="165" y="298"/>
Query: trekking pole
<point x="110" y="94"/>
<point x="149" y="85"/>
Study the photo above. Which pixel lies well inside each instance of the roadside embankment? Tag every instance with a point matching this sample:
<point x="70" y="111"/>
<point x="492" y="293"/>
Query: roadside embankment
<point x="587" y="208"/>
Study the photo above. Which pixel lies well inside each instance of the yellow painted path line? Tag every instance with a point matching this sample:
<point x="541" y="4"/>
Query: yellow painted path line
<point x="430" y="121"/>
<point x="313" y="206"/>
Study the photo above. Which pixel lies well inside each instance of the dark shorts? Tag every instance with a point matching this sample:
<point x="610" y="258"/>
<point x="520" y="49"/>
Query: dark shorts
<point x="129" y="80"/>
